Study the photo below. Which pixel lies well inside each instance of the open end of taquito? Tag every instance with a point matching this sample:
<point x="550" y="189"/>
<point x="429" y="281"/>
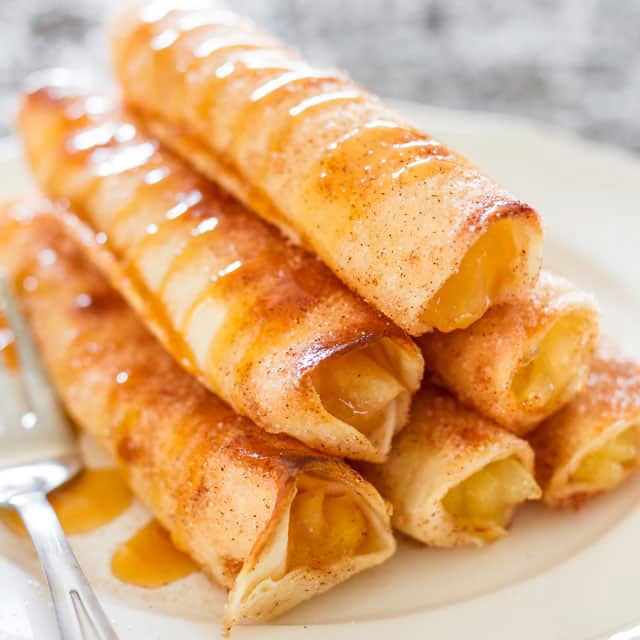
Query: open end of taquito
<point x="453" y="478"/>
<point x="324" y="529"/>
<point x="522" y="360"/>
<point x="369" y="389"/>
<point x="605" y="465"/>
<point x="484" y="502"/>
<point x="554" y="365"/>
<point x="593" y="444"/>
<point x="489" y="269"/>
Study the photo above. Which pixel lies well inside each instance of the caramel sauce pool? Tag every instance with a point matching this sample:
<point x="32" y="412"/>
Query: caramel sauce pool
<point x="90" y="500"/>
<point x="93" y="499"/>
<point x="149" y="559"/>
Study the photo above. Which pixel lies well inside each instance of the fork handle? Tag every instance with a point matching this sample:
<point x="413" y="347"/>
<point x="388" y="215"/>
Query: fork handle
<point x="78" y="612"/>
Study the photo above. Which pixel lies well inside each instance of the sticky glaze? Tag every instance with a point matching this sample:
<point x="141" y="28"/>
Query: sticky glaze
<point x="244" y="56"/>
<point x="230" y="299"/>
<point x="365" y="162"/>
<point x="238" y="261"/>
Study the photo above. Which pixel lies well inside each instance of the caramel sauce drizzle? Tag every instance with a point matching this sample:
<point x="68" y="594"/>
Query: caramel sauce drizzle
<point x="368" y="158"/>
<point x="210" y="290"/>
<point x="196" y="240"/>
<point x="362" y="165"/>
<point x="239" y="54"/>
<point x="247" y="271"/>
<point x="254" y="197"/>
<point x="149" y="559"/>
<point x="304" y="108"/>
<point x="188" y="68"/>
<point x="296" y="80"/>
<point x="109" y="148"/>
<point x="89" y="501"/>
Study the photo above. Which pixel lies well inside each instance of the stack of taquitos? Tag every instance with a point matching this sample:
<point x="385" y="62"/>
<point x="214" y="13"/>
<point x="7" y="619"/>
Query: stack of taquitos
<point x="410" y="225"/>
<point x="135" y="237"/>
<point x="452" y="476"/>
<point x="406" y="222"/>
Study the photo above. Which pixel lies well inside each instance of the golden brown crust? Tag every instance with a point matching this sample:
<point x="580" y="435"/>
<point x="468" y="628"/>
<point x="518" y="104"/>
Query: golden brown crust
<point x="161" y="233"/>
<point x="609" y="402"/>
<point x="478" y="364"/>
<point x="218" y="483"/>
<point x="442" y="445"/>
<point x="389" y="209"/>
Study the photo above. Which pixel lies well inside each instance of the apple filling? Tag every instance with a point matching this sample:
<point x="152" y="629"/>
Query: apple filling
<point x="544" y="379"/>
<point x="485" y="273"/>
<point x="325" y="526"/>
<point x="484" y="503"/>
<point x="606" y="467"/>
<point x="364" y="389"/>
<point x="335" y="526"/>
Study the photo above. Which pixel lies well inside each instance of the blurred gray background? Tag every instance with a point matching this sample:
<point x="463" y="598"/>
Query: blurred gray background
<point x="572" y="63"/>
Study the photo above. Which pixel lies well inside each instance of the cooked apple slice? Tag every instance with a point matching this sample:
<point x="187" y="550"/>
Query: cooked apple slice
<point x="593" y="444"/>
<point x="453" y="477"/>
<point x="522" y="360"/>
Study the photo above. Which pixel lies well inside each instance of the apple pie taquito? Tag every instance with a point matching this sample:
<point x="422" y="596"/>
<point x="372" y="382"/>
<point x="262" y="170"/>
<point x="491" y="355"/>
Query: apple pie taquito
<point x="263" y="324"/>
<point x="408" y="223"/>
<point x="522" y="360"/>
<point x="263" y="515"/>
<point x="453" y="477"/>
<point x="593" y="444"/>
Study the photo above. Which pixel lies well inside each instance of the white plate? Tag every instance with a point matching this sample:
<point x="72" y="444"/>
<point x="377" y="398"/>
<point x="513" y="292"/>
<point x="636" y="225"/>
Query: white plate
<point x="558" y="575"/>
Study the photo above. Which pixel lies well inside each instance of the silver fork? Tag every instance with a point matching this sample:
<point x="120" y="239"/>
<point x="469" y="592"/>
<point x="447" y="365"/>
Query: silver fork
<point x="38" y="452"/>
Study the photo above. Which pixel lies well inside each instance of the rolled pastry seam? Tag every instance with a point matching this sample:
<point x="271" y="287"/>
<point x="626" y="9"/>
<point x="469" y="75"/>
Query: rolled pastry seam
<point x="409" y="224"/>
<point x="262" y="514"/>
<point x="262" y="323"/>
<point x="523" y="360"/>
<point x="593" y="444"/>
<point x="453" y="478"/>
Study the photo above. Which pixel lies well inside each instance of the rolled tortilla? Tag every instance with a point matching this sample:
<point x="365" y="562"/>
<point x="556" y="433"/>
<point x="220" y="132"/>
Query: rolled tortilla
<point x="409" y="224"/>
<point x="523" y="360"/>
<point x="263" y="324"/>
<point x="262" y="514"/>
<point x="453" y="477"/>
<point x="593" y="444"/>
